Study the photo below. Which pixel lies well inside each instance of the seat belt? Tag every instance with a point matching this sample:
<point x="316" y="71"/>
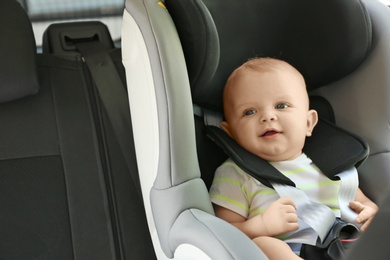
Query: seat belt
<point x="349" y="184"/>
<point x="114" y="97"/>
<point x="90" y="222"/>
<point x="318" y="216"/>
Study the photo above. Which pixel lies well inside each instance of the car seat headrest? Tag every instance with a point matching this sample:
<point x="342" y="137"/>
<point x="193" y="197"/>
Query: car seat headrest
<point x="319" y="38"/>
<point x="18" y="69"/>
<point x="199" y="39"/>
<point x="60" y="38"/>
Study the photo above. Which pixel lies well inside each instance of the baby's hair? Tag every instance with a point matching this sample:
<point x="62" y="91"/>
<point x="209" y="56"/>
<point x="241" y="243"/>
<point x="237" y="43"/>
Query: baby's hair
<point x="263" y="64"/>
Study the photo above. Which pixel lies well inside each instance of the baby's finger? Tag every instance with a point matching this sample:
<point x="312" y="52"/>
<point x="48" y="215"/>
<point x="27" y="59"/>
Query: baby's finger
<point x="292" y="218"/>
<point x="287" y="201"/>
<point x="356" y="206"/>
<point x="293" y="226"/>
<point x="365" y="225"/>
<point x="363" y="216"/>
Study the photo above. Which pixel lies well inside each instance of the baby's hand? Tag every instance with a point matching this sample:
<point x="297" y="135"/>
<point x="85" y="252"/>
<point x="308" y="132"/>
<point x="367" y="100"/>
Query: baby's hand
<point x="365" y="213"/>
<point x="280" y="217"/>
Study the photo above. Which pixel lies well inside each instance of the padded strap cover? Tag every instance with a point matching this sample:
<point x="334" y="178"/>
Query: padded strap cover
<point x="334" y="149"/>
<point x="331" y="148"/>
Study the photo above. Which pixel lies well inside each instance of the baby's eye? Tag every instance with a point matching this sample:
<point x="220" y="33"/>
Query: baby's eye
<point x="249" y="112"/>
<point x="281" y="106"/>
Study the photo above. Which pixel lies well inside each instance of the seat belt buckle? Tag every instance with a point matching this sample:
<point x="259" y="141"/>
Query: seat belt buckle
<point x="345" y="232"/>
<point x="340" y="237"/>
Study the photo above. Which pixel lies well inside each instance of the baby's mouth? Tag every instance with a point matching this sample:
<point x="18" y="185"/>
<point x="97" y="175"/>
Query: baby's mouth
<point x="269" y="133"/>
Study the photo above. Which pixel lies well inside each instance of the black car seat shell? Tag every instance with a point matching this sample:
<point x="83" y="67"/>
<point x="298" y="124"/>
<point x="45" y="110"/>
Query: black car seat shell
<point x="335" y="44"/>
<point x="321" y="53"/>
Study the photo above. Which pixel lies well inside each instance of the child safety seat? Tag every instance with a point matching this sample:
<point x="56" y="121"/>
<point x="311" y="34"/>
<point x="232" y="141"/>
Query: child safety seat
<point x="338" y="46"/>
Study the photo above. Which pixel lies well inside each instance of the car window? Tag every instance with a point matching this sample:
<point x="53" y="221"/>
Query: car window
<point x="42" y="13"/>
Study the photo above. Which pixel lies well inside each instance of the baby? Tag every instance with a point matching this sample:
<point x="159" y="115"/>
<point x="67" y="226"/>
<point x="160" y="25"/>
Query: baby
<point x="266" y="109"/>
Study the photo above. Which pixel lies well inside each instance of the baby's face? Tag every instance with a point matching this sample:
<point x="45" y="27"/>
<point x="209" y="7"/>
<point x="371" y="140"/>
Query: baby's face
<point x="268" y="114"/>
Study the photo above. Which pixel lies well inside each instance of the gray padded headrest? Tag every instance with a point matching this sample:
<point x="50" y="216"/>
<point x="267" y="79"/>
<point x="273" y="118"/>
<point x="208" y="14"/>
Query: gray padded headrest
<point x="18" y="71"/>
<point x="324" y="40"/>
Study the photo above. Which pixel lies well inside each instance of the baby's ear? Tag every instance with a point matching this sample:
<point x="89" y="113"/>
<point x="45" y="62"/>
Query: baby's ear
<point x="225" y="126"/>
<point x="312" y="119"/>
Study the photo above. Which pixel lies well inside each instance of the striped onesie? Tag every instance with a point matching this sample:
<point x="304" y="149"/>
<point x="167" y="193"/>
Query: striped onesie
<point x="237" y="191"/>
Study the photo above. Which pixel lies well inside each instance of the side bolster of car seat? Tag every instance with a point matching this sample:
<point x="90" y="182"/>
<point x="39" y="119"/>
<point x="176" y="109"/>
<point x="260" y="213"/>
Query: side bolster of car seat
<point x="361" y="103"/>
<point x="143" y="113"/>
<point x="179" y="211"/>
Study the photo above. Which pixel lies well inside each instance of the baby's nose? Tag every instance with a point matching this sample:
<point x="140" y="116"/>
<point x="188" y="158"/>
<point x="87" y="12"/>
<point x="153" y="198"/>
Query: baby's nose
<point x="267" y="117"/>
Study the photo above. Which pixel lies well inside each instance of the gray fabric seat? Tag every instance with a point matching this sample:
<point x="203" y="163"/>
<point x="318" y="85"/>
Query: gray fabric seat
<point x="66" y="192"/>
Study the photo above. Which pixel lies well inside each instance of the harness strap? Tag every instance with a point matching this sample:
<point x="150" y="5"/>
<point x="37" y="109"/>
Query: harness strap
<point x="212" y="117"/>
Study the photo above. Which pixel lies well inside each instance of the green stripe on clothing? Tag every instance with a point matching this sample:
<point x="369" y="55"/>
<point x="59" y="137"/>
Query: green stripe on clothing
<point x="245" y="207"/>
<point x="256" y="212"/>
<point x="295" y="171"/>
<point x="232" y="181"/>
<point x="329" y="201"/>
<point x="284" y="236"/>
<point x="261" y="192"/>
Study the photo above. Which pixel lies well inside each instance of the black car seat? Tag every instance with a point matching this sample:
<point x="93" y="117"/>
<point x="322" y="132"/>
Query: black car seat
<point x="179" y="55"/>
<point x="66" y="189"/>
